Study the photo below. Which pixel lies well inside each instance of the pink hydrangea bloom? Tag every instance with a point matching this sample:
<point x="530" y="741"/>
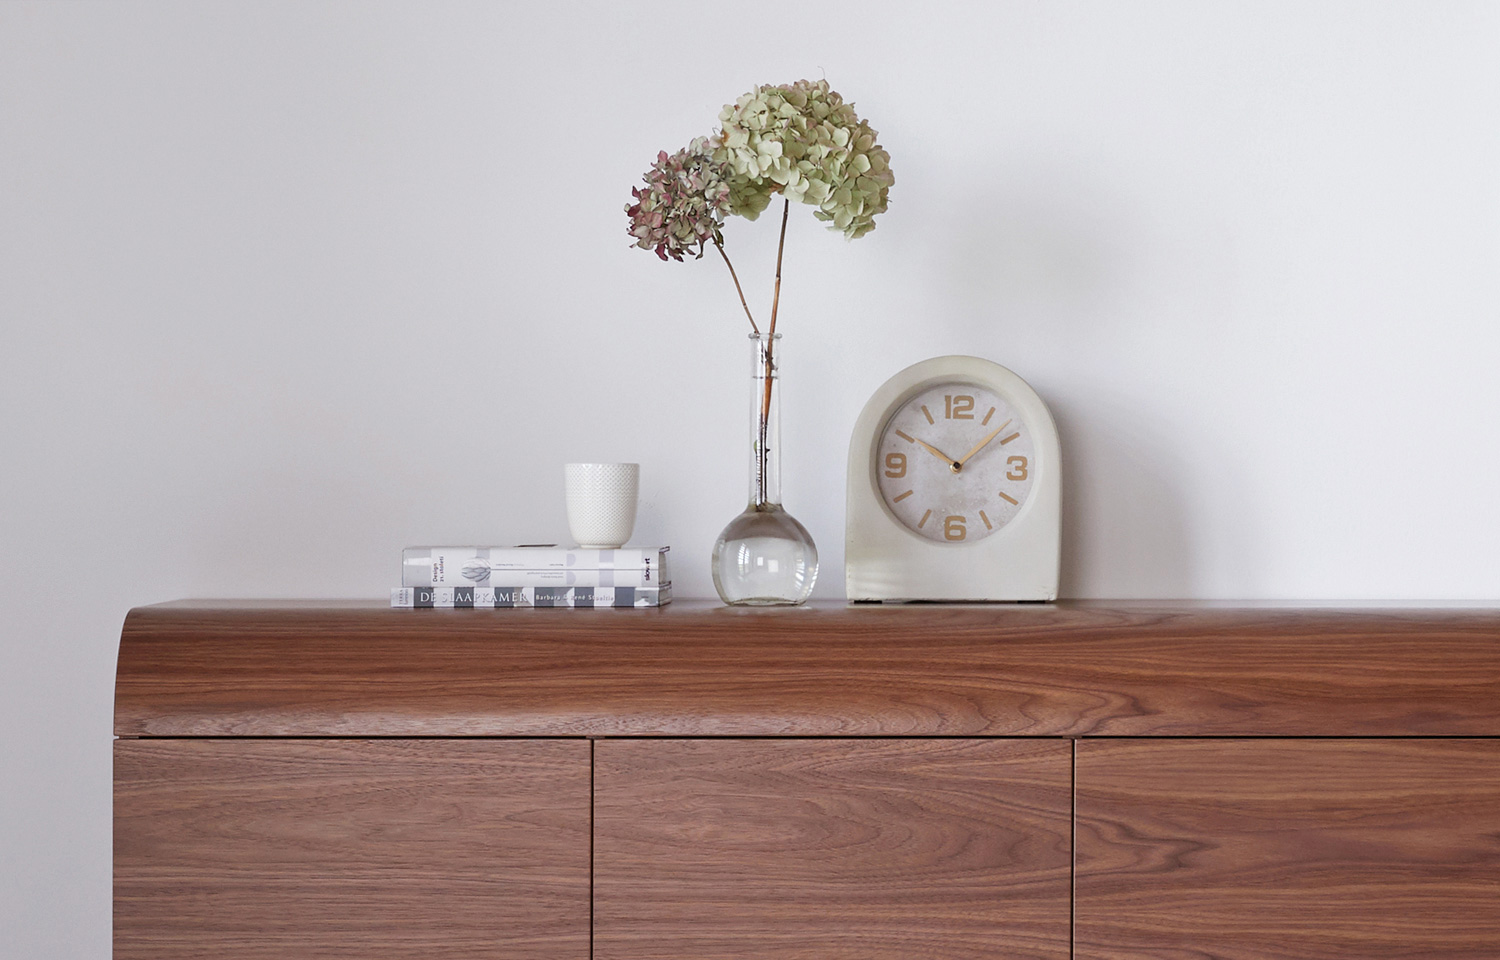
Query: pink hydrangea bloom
<point x="683" y="204"/>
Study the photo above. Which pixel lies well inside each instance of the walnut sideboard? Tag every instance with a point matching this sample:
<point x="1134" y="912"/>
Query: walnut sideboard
<point x="1101" y="781"/>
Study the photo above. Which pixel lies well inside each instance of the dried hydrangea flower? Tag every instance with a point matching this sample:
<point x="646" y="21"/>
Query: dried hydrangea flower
<point x="683" y="206"/>
<point x="802" y="140"/>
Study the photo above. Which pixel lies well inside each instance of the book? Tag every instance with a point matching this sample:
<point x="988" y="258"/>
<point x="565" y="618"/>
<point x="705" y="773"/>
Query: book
<point x="533" y="566"/>
<point x="554" y="577"/>
<point x="421" y="598"/>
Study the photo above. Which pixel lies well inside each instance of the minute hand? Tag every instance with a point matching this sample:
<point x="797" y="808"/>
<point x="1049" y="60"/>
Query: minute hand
<point x="980" y="445"/>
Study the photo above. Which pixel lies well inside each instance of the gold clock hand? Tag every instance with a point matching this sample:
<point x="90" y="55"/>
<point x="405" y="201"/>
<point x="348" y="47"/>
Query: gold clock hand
<point x="980" y="445"/>
<point x="952" y="464"/>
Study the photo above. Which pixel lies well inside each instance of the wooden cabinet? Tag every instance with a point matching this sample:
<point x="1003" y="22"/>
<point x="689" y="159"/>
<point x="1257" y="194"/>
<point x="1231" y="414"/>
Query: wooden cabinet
<point x="351" y="848"/>
<point x="808" y="849"/>
<point x="1288" y="849"/>
<point x="326" y="780"/>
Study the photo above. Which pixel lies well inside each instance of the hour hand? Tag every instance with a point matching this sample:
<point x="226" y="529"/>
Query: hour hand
<point x="952" y="463"/>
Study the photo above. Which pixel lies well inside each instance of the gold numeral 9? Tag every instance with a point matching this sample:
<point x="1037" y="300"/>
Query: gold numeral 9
<point x="960" y="407"/>
<point x="954" y="529"/>
<point x="1017" y="469"/>
<point x="895" y="465"/>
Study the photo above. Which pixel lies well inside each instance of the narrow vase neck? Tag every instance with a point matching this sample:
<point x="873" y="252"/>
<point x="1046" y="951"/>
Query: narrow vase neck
<point x="765" y="421"/>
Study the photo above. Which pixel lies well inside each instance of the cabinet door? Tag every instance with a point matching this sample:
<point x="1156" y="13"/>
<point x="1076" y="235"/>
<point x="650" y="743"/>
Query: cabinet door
<point x="1288" y="849"/>
<point x="829" y="849"/>
<point x="240" y="849"/>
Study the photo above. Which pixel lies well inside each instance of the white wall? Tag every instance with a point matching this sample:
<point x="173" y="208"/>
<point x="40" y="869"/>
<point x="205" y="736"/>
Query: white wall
<point x="287" y="286"/>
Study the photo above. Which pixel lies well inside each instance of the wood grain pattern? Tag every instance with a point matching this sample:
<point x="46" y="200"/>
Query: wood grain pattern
<point x="1288" y="850"/>
<point x="1066" y="669"/>
<point x="254" y="850"/>
<point x="822" y="850"/>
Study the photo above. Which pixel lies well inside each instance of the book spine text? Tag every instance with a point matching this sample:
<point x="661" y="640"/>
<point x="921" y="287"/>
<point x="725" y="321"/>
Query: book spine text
<point x="502" y="597"/>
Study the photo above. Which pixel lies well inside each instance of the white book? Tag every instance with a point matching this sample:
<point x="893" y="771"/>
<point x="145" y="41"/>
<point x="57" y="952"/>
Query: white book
<point x="554" y="577"/>
<point x="533" y="566"/>
<point x="503" y="597"/>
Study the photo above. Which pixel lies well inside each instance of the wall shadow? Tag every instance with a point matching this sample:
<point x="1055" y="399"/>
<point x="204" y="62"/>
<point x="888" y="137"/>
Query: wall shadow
<point x="1126" y="530"/>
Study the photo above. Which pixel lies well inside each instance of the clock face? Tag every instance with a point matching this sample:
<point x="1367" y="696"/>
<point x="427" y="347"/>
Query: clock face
<point x="954" y="463"/>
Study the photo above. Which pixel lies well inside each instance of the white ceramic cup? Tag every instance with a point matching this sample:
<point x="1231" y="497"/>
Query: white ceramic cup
<point x="601" y="503"/>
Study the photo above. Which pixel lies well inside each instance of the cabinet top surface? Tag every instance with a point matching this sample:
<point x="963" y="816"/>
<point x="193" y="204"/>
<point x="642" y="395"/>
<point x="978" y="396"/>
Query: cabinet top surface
<point x="697" y="668"/>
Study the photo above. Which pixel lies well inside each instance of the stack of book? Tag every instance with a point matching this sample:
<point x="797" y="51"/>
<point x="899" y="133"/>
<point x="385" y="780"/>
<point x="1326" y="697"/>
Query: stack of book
<point x="533" y="576"/>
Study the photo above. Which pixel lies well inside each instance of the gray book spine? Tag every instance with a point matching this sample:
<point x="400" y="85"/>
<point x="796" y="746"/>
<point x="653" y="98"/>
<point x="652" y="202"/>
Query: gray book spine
<point x="420" y="598"/>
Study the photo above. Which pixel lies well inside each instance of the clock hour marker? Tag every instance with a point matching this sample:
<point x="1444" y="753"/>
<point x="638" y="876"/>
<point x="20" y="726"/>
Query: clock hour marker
<point x="986" y="519"/>
<point x="986" y="421"/>
<point x="924" y="518"/>
<point x="1008" y="498"/>
<point x="902" y="496"/>
<point x="1009" y="439"/>
<point x="928" y="414"/>
<point x="905" y="437"/>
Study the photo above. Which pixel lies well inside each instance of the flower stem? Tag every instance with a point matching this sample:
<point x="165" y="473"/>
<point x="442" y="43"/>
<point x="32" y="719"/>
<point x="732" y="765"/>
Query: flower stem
<point x="786" y="207"/>
<point x="735" y="277"/>
<point x="770" y="371"/>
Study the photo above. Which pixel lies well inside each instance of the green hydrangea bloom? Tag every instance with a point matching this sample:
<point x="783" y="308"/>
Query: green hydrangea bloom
<point x="803" y="141"/>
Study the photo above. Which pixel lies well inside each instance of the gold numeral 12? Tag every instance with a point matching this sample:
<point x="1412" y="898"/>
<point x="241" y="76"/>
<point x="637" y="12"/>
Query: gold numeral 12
<point x="960" y="407"/>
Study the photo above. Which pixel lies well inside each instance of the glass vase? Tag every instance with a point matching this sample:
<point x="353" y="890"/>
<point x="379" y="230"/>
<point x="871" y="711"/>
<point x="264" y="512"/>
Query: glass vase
<point x="764" y="556"/>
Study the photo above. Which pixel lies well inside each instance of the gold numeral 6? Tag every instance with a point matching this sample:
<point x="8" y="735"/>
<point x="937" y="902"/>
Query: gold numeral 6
<point x="895" y="465"/>
<point x="1017" y="469"/>
<point x="954" y="529"/>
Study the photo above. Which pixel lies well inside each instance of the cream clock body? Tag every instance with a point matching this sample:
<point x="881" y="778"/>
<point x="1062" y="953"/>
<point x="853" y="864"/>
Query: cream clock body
<point x="954" y="488"/>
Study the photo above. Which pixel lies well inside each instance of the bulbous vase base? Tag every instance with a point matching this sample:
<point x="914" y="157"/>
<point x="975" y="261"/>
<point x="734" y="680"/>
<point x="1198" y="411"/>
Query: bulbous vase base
<point x="764" y="557"/>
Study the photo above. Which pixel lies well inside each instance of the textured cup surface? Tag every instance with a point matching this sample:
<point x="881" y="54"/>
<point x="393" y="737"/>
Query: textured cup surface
<point x="601" y="502"/>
